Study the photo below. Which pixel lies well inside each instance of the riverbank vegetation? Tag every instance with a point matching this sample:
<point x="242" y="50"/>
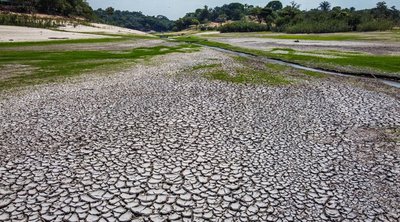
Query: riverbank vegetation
<point x="234" y="17"/>
<point x="133" y="20"/>
<point x="323" y="19"/>
<point x="70" y="8"/>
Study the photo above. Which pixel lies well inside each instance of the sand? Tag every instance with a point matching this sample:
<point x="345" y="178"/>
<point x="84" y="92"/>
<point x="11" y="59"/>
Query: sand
<point x="100" y="28"/>
<point x="26" y="34"/>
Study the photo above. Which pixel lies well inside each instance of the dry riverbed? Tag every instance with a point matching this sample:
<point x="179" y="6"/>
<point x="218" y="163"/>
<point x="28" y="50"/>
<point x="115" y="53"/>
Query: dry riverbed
<point x="161" y="140"/>
<point x="375" y="48"/>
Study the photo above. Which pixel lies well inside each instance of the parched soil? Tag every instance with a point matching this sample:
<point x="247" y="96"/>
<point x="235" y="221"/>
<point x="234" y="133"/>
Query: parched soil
<point x="161" y="142"/>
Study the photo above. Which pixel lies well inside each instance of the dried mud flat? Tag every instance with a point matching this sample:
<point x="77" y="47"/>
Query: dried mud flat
<point x="154" y="143"/>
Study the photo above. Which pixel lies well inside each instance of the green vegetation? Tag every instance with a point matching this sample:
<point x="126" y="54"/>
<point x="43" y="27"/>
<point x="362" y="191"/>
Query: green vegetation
<point x="274" y="16"/>
<point x="133" y="20"/>
<point x="249" y="73"/>
<point x="377" y="63"/>
<point x="34" y="21"/>
<point x="325" y="26"/>
<point x="375" y="25"/>
<point x="323" y="19"/>
<point x="205" y="66"/>
<point x="314" y="74"/>
<point x="77" y="8"/>
<point x="50" y="66"/>
<point x="52" y="7"/>
<point x="248" y="76"/>
<point x="276" y="67"/>
<point x="243" y="26"/>
<point x="359" y="63"/>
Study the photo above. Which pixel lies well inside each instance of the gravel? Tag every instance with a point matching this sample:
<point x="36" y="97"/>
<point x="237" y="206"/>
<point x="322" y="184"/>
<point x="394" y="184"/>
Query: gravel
<point x="154" y="143"/>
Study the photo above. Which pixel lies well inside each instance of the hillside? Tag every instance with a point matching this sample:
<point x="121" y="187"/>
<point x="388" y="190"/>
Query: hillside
<point x="133" y="20"/>
<point x="69" y="8"/>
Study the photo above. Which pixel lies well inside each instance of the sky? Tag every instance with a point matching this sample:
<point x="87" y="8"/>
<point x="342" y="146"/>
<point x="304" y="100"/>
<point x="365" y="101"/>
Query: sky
<point x="175" y="9"/>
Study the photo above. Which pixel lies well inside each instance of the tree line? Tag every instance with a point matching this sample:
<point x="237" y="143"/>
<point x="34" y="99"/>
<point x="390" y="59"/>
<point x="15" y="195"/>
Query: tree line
<point x="234" y="17"/>
<point x="133" y="20"/>
<point x="78" y="8"/>
<point x="274" y="16"/>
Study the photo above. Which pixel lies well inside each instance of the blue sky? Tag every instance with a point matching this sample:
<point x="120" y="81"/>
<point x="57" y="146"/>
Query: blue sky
<point x="174" y="9"/>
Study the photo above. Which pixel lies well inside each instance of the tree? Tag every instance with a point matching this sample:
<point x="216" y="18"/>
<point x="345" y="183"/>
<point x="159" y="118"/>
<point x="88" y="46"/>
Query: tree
<point x="221" y="18"/>
<point x="24" y="5"/>
<point x="204" y="14"/>
<point x="110" y="10"/>
<point x="381" y="6"/>
<point x="267" y="14"/>
<point x="275" y="5"/>
<point x="294" y="5"/>
<point x="381" y="11"/>
<point x="256" y="13"/>
<point x="325" y="6"/>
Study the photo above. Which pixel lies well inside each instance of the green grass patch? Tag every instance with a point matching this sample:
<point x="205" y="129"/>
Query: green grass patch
<point x="50" y="66"/>
<point x="276" y="67"/>
<point x="205" y="66"/>
<point x="378" y="63"/>
<point x="314" y="74"/>
<point x="248" y="76"/>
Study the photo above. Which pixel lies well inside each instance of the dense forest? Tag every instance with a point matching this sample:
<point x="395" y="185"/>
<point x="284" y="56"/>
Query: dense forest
<point x="52" y="7"/>
<point x="234" y="17"/>
<point x="80" y="8"/>
<point x="134" y="20"/>
<point x="275" y="17"/>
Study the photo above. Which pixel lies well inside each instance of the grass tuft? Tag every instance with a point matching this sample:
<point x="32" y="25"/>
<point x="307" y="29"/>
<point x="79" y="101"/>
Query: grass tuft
<point x="247" y="76"/>
<point x="205" y="66"/>
<point x="314" y="74"/>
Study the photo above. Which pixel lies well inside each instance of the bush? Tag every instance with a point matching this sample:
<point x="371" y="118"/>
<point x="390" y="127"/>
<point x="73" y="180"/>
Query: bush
<point x="328" y="26"/>
<point x="244" y="27"/>
<point x="375" y="25"/>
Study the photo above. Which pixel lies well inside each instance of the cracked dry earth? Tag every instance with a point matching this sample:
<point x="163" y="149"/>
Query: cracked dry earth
<point x="154" y="144"/>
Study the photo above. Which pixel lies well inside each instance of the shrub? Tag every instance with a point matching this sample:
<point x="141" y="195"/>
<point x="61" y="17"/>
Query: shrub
<point x="328" y="26"/>
<point x="375" y="25"/>
<point x="32" y="21"/>
<point x="244" y="27"/>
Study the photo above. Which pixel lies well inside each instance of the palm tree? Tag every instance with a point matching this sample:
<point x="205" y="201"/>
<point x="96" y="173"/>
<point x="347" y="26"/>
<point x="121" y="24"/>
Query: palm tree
<point x="325" y="6"/>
